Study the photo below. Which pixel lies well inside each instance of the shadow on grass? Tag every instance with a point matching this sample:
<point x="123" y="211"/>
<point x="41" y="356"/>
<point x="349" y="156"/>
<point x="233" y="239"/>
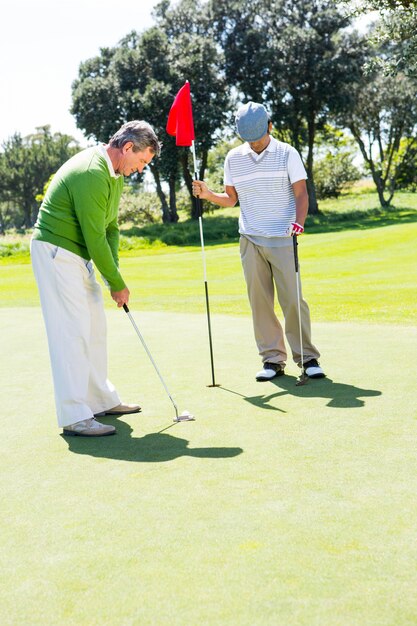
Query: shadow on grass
<point x="153" y="448"/>
<point x="219" y="229"/>
<point x="377" y="217"/>
<point x="340" y="395"/>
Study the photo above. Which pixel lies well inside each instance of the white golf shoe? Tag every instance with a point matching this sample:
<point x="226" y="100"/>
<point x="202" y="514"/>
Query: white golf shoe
<point x="89" y="428"/>
<point x="313" y="369"/>
<point x="120" y="409"/>
<point x="269" y="371"/>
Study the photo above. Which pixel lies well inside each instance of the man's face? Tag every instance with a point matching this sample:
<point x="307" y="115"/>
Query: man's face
<point x="131" y="162"/>
<point x="260" y="145"/>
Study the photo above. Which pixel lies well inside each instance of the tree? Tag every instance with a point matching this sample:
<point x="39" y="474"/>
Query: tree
<point x="304" y="63"/>
<point x="397" y="28"/>
<point x="130" y="81"/>
<point x="384" y="112"/>
<point x="195" y="57"/>
<point x="139" y="80"/>
<point x="26" y="163"/>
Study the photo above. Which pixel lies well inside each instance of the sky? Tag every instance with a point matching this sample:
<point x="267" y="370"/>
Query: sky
<point x="42" y="43"/>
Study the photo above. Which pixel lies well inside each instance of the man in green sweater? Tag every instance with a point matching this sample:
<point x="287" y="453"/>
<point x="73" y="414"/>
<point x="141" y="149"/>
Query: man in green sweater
<point x="77" y="225"/>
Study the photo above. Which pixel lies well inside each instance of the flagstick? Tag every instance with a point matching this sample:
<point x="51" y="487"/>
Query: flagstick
<point x="200" y="222"/>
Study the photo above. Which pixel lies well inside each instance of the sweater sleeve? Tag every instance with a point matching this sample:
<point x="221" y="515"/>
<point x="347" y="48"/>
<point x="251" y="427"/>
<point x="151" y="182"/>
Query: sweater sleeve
<point x="112" y="236"/>
<point x="91" y="196"/>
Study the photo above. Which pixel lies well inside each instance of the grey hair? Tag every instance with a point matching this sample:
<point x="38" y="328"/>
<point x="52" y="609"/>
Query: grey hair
<point x="140" y="133"/>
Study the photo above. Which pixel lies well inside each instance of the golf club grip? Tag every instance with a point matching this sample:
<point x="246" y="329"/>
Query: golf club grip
<point x="126" y="308"/>
<point x="295" y="244"/>
<point x="198" y="206"/>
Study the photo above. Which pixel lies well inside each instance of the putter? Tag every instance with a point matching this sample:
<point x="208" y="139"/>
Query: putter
<point x="303" y="378"/>
<point x="185" y="416"/>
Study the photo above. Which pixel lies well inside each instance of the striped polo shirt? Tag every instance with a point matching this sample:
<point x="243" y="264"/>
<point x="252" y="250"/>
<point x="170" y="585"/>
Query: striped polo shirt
<point x="263" y="183"/>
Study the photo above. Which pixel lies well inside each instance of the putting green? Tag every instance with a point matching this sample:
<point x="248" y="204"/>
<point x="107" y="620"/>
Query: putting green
<point x="279" y="505"/>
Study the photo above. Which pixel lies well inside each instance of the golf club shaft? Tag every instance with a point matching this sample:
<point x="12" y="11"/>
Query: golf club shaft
<point x="126" y="308"/>
<point x="295" y="244"/>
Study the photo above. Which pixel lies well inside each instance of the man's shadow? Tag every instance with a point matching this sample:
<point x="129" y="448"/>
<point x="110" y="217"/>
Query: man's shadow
<point x="152" y="448"/>
<point x="340" y="395"/>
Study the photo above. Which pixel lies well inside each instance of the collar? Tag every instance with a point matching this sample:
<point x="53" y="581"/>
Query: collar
<point x="271" y="147"/>
<point x="102" y="149"/>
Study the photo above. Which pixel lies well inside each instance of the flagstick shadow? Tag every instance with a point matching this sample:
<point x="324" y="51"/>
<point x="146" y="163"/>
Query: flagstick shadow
<point x="260" y="401"/>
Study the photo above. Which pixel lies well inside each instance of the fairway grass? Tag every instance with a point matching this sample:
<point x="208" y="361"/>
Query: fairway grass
<point x="280" y="505"/>
<point x="367" y="276"/>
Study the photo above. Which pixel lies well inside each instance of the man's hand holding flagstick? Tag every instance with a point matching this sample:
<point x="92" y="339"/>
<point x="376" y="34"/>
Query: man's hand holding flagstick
<point x="180" y="124"/>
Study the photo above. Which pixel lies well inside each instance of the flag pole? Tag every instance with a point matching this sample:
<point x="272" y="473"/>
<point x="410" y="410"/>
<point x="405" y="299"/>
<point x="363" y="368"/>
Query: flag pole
<point x="180" y="125"/>
<point x="200" y="223"/>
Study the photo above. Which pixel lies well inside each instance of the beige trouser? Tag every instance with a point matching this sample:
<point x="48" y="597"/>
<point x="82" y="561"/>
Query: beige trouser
<point x="262" y="267"/>
<point x="72" y="307"/>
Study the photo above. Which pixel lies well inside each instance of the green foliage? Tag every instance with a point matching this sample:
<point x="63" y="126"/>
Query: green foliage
<point x="381" y="114"/>
<point x="333" y="173"/>
<point x="216" y="230"/>
<point x="215" y="163"/>
<point x="296" y="57"/>
<point x="333" y="168"/>
<point x="396" y="31"/>
<point x="406" y="165"/>
<point x="138" y="206"/>
<point x="40" y="196"/>
<point x="139" y="79"/>
<point x="26" y="163"/>
<point x="15" y="249"/>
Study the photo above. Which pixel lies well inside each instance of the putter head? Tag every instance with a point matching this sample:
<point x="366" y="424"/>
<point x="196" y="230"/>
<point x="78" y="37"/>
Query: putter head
<point x="303" y="380"/>
<point x="185" y="416"/>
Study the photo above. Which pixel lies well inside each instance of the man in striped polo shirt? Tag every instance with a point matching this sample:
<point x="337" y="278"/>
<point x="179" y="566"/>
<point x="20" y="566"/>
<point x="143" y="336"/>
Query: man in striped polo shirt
<point x="268" y="179"/>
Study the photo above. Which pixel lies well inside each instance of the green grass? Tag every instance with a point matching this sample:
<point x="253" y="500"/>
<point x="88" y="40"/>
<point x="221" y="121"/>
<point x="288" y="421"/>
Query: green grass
<point x="279" y="506"/>
<point x="357" y="275"/>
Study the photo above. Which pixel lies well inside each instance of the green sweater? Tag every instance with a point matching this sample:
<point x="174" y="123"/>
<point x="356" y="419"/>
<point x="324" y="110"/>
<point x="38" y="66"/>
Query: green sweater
<point x="79" y="213"/>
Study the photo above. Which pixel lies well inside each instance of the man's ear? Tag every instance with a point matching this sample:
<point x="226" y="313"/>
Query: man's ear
<point x="127" y="146"/>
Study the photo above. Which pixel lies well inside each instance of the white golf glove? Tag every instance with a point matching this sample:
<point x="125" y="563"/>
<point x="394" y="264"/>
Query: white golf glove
<point x="295" y="229"/>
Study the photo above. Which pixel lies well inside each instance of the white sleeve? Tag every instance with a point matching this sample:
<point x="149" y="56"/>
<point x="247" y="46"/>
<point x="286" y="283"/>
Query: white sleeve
<point x="228" y="180"/>
<point x="296" y="170"/>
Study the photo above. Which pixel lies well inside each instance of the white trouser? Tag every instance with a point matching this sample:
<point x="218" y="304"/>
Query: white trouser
<point x="72" y="307"/>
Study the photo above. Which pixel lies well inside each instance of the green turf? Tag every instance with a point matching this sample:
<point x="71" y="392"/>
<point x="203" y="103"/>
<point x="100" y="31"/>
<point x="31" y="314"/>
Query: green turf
<point x="279" y="505"/>
<point x="367" y="275"/>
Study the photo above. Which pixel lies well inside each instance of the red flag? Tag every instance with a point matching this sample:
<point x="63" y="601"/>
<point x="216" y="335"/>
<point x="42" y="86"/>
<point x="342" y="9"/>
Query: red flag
<point x="180" y="119"/>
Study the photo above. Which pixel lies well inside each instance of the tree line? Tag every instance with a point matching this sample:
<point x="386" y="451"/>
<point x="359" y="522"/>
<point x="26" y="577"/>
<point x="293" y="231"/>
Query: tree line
<point x="302" y="58"/>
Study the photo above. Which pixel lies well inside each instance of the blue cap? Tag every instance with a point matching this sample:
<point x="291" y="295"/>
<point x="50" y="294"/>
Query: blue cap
<point x="252" y="121"/>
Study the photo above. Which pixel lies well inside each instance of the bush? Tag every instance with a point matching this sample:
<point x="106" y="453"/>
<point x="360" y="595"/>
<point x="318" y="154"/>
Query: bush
<point x="406" y="165"/>
<point x="333" y="173"/>
<point x="139" y="207"/>
<point x="14" y="248"/>
<point x="216" y="230"/>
